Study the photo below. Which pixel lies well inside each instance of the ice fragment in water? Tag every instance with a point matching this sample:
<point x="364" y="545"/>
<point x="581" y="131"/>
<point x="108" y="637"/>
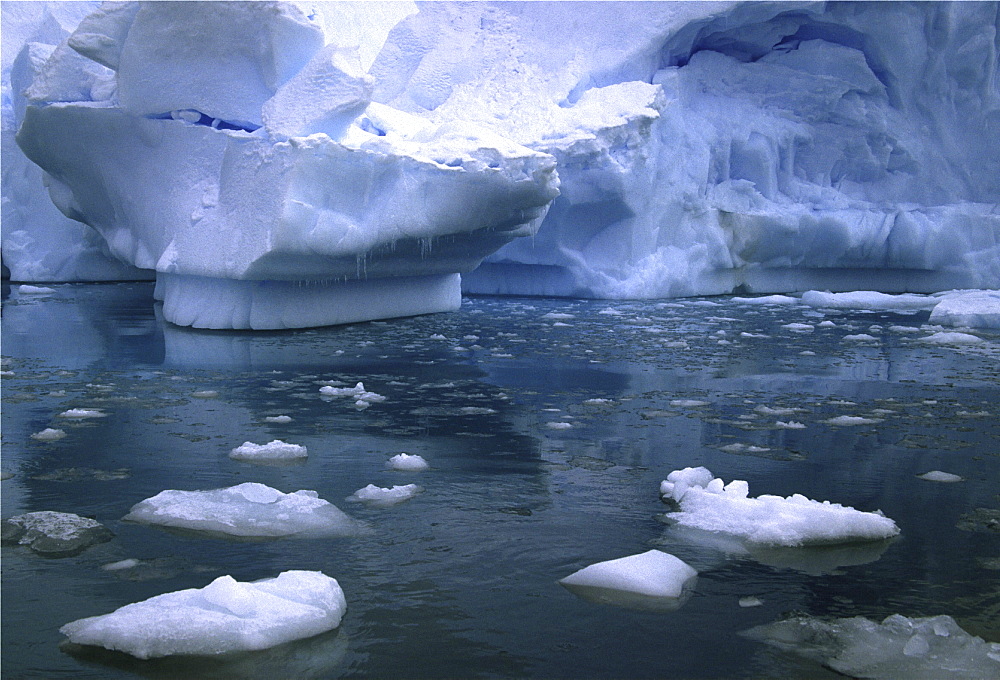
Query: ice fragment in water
<point x="408" y="463"/>
<point x="54" y="534"/>
<point x="274" y="450"/>
<point x="653" y="579"/>
<point x="383" y="497"/>
<point x="939" y="476"/>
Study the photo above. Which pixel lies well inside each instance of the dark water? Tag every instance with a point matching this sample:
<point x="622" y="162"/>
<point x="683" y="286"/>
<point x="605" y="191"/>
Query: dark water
<point x="462" y="580"/>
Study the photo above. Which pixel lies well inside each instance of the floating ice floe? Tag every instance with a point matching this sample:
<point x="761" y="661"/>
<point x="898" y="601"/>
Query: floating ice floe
<point x="24" y="289"/>
<point x="225" y="616"/>
<point x="54" y="534"/>
<point x="382" y="497"/>
<point x="952" y="338"/>
<point x="49" y="434"/>
<point x="968" y="308"/>
<point x="929" y="648"/>
<point x="81" y="413"/>
<point x="650" y="580"/>
<point x="768" y="300"/>
<point x="558" y="425"/>
<point x="868" y="299"/>
<point x="939" y="476"/>
<point x="688" y="403"/>
<point x="274" y="450"/>
<point x="408" y="463"/>
<point x="246" y="510"/>
<point x="358" y="392"/>
<point x="851" y="421"/>
<point x="278" y="419"/>
<point x="860" y="337"/>
<point x="709" y="504"/>
<point x="789" y="425"/>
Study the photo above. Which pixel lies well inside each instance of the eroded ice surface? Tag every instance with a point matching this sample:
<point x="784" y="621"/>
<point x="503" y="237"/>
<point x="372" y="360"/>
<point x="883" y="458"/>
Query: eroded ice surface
<point x="248" y="509"/>
<point x="224" y="616"/>
<point x="408" y="462"/>
<point x="919" y="648"/>
<point x="54" y="534"/>
<point x="709" y="504"/>
<point x="383" y="497"/>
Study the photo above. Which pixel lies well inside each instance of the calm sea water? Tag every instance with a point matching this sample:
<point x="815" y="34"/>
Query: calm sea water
<point x="462" y="580"/>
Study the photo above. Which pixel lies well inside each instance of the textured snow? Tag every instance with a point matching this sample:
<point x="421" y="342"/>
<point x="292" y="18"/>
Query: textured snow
<point x="919" y="648"/>
<point x="653" y="574"/>
<point x="248" y="509"/>
<point x="224" y="616"/>
<point x="282" y="164"/>
<point x="274" y="450"/>
<point x="707" y="503"/>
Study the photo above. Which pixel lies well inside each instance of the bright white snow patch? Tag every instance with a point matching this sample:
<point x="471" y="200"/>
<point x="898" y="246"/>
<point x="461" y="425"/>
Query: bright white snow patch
<point x="868" y="299"/>
<point x="248" y="509"/>
<point x="224" y="616"/>
<point x="653" y="574"/>
<point x="277" y="419"/>
<point x="382" y="497"/>
<point x="939" y="476"/>
<point x="408" y="463"/>
<point x="274" y="450"/>
<point x="709" y="504"/>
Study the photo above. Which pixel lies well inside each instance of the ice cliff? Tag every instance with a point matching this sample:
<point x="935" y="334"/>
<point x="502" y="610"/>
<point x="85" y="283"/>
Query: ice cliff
<point x="295" y="164"/>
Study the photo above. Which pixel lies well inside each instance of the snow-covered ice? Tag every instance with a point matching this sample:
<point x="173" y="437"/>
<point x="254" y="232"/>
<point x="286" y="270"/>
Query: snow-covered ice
<point x="225" y="616"/>
<point x="952" y="338"/>
<point x="278" y="166"/>
<point x="709" y="504"/>
<point x="851" y="421"/>
<point x="49" y="434"/>
<point x="382" y="497"/>
<point x="82" y="413"/>
<point x="899" y="647"/>
<point x="274" y="450"/>
<point x="408" y="462"/>
<point x="970" y="309"/>
<point x="654" y="578"/>
<point x="246" y="510"/>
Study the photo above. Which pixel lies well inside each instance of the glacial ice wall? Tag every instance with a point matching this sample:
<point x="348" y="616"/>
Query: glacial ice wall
<point x="709" y="147"/>
<point x="363" y="152"/>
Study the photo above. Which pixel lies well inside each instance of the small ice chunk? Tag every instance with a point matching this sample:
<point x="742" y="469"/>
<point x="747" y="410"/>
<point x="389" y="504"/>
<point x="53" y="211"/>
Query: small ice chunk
<point x="558" y="425"/>
<point x="767" y="300"/>
<point x="248" y="509"/>
<point x="382" y="497"/>
<point x="81" y="413"/>
<point x="205" y="394"/>
<point x="35" y="290"/>
<point x="277" y="419"/>
<point x="558" y="315"/>
<point x="652" y="574"/>
<point x="129" y="563"/>
<point x="860" y="337"/>
<point x="899" y="647"/>
<point x="688" y="403"/>
<point x="224" y="616"/>
<point x="274" y="450"/>
<point x="49" y="434"/>
<point x="770" y="411"/>
<point x="767" y="520"/>
<point x="54" y="534"/>
<point x="789" y="425"/>
<point x="408" y="463"/>
<point x="750" y="601"/>
<point x="851" y="421"/>
<point x="939" y="476"/>
<point x="799" y="327"/>
<point x="331" y="391"/>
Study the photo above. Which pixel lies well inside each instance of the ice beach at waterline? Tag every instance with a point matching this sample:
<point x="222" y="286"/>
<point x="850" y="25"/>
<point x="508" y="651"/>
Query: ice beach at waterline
<point x="224" y="616"/>
<point x="707" y="503"/>
<point x="650" y="580"/>
<point x="246" y="510"/>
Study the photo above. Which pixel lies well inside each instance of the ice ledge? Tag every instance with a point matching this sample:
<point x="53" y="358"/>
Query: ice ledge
<point x="203" y="302"/>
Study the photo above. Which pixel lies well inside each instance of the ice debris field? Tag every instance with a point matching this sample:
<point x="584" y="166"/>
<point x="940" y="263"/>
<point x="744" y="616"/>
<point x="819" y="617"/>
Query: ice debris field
<point x="284" y="165"/>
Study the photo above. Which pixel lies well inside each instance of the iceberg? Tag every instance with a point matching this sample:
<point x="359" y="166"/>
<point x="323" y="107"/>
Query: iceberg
<point x="650" y="580"/>
<point x="898" y="647"/>
<point x="295" y="164"/>
<point x="709" y="504"/>
<point x="246" y="510"/>
<point x="225" y="616"/>
<point x="230" y="150"/>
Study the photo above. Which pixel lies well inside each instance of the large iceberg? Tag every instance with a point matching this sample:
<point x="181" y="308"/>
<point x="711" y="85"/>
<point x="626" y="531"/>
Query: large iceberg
<point x="279" y="166"/>
<point x="225" y="616"/>
<point x="231" y="149"/>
